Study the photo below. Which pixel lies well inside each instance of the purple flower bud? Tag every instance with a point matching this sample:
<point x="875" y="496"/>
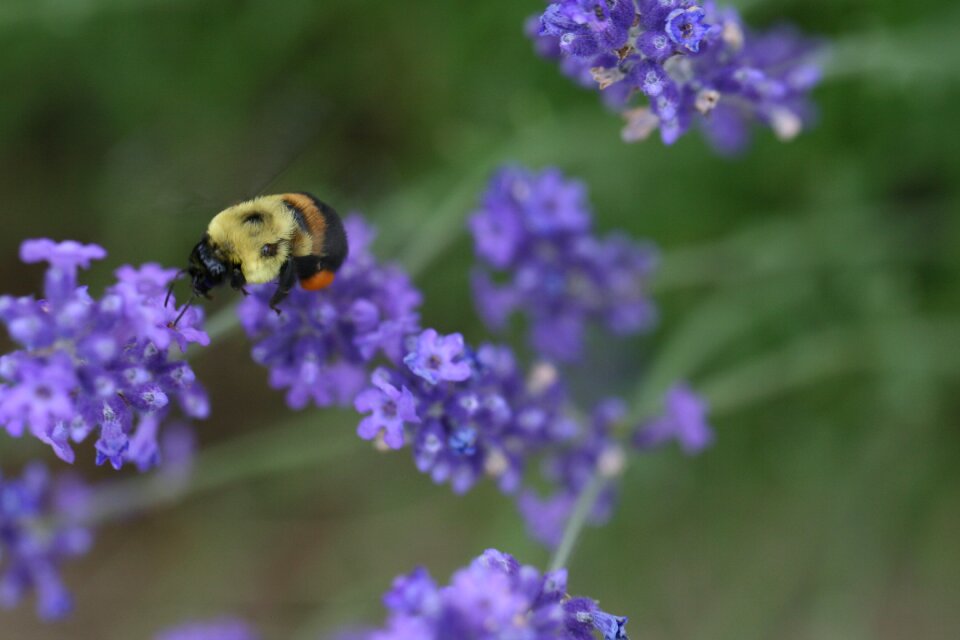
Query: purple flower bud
<point x="685" y="27"/>
<point x="68" y="256"/>
<point x="684" y="420"/>
<point x="655" y="45"/>
<point x="413" y="594"/>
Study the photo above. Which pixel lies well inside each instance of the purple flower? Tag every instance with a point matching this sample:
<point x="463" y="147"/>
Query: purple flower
<point x="684" y="420"/>
<point x="492" y="599"/>
<point x="685" y="27"/>
<point x="588" y="27"/>
<point x="437" y="358"/>
<point x="39" y="530"/>
<point x="321" y="346"/>
<point x="483" y="419"/>
<point x="91" y="365"/>
<point x="583" y="616"/>
<point x="569" y="468"/>
<point x="539" y="256"/>
<point x="219" y="629"/>
<point x="546" y="517"/>
<point x="691" y="61"/>
<point x="390" y="409"/>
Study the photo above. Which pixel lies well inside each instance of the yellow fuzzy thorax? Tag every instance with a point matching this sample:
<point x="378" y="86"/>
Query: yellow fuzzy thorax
<point x="240" y="241"/>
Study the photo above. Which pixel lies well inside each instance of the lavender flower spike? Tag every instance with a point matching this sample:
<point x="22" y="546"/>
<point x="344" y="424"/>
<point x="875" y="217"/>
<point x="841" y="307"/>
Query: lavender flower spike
<point x="320" y="348"/>
<point x="493" y="598"/>
<point x="31" y="552"/>
<point x="539" y="256"/>
<point x="101" y="366"/>
<point x="696" y="64"/>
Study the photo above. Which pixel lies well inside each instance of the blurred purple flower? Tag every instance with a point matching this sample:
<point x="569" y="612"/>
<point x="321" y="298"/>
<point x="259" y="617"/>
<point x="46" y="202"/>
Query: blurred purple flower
<point x="219" y="629"/>
<point x="695" y="63"/>
<point x="494" y="598"/>
<point x="461" y="428"/>
<point x="569" y="468"/>
<point x="534" y="232"/>
<point x="40" y="529"/>
<point x="320" y="347"/>
<point x="96" y="365"/>
<point x="684" y="420"/>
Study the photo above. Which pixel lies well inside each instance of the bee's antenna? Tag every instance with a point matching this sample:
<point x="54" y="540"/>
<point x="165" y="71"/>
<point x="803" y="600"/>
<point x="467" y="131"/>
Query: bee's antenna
<point x="173" y="283"/>
<point x="173" y="325"/>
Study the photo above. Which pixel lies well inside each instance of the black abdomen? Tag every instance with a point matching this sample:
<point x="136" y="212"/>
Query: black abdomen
<point x="334" y="250"/>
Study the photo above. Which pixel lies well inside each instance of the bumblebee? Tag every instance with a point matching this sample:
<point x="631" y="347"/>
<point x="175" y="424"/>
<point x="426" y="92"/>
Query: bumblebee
<point x="285" y="238"/>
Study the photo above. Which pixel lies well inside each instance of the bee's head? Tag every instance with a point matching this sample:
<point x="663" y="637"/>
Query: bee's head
<point x="207" y="270"/>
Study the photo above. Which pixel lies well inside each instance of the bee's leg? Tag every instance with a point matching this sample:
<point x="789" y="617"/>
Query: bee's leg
<point x="288" y="278"/>
<point x="237" y="281"/>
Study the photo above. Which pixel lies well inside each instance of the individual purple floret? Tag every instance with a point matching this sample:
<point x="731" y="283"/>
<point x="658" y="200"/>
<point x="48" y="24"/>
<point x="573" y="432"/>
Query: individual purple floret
<point x="469" y="415"/>
<point x="39" y="530"/>
<point x="320" y="347"/>
<point x="437" y="358"/>
<point x="684" y="420"/>
<point x="569" y="469"/>
<point x="695" y="64"/>
<point x="219" y="629"/>
<point x="494" y="598"/>
<point x="540" y="256"/>
<point x="89" y="365"/>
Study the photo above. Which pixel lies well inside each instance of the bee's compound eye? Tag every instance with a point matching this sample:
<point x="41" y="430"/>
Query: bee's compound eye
<point x="268" y="250"/>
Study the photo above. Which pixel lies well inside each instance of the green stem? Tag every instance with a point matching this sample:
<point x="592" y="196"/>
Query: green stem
<point x="581" y="512"/>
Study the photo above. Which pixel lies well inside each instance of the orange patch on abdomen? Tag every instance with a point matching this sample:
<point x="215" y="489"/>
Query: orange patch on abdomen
<point x="316" y="223"/>
<point x="319" y="280"/>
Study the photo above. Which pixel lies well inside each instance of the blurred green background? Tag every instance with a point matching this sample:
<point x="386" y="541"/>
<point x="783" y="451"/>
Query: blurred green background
<point x="809" y="289"/>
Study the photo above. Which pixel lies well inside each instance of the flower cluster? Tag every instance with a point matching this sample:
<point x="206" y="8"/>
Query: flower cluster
<point x="693" y="63"/>
<point x="320" y="346"/>
<point x="534" y="232"/>
<point x="220" y="629"/>
<point x="492" y="599"/>
<point x="39" y="530"/>
<point x="90" y="365"/>
<point x="684" y="420"/>
<point x="466" y="413"/>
